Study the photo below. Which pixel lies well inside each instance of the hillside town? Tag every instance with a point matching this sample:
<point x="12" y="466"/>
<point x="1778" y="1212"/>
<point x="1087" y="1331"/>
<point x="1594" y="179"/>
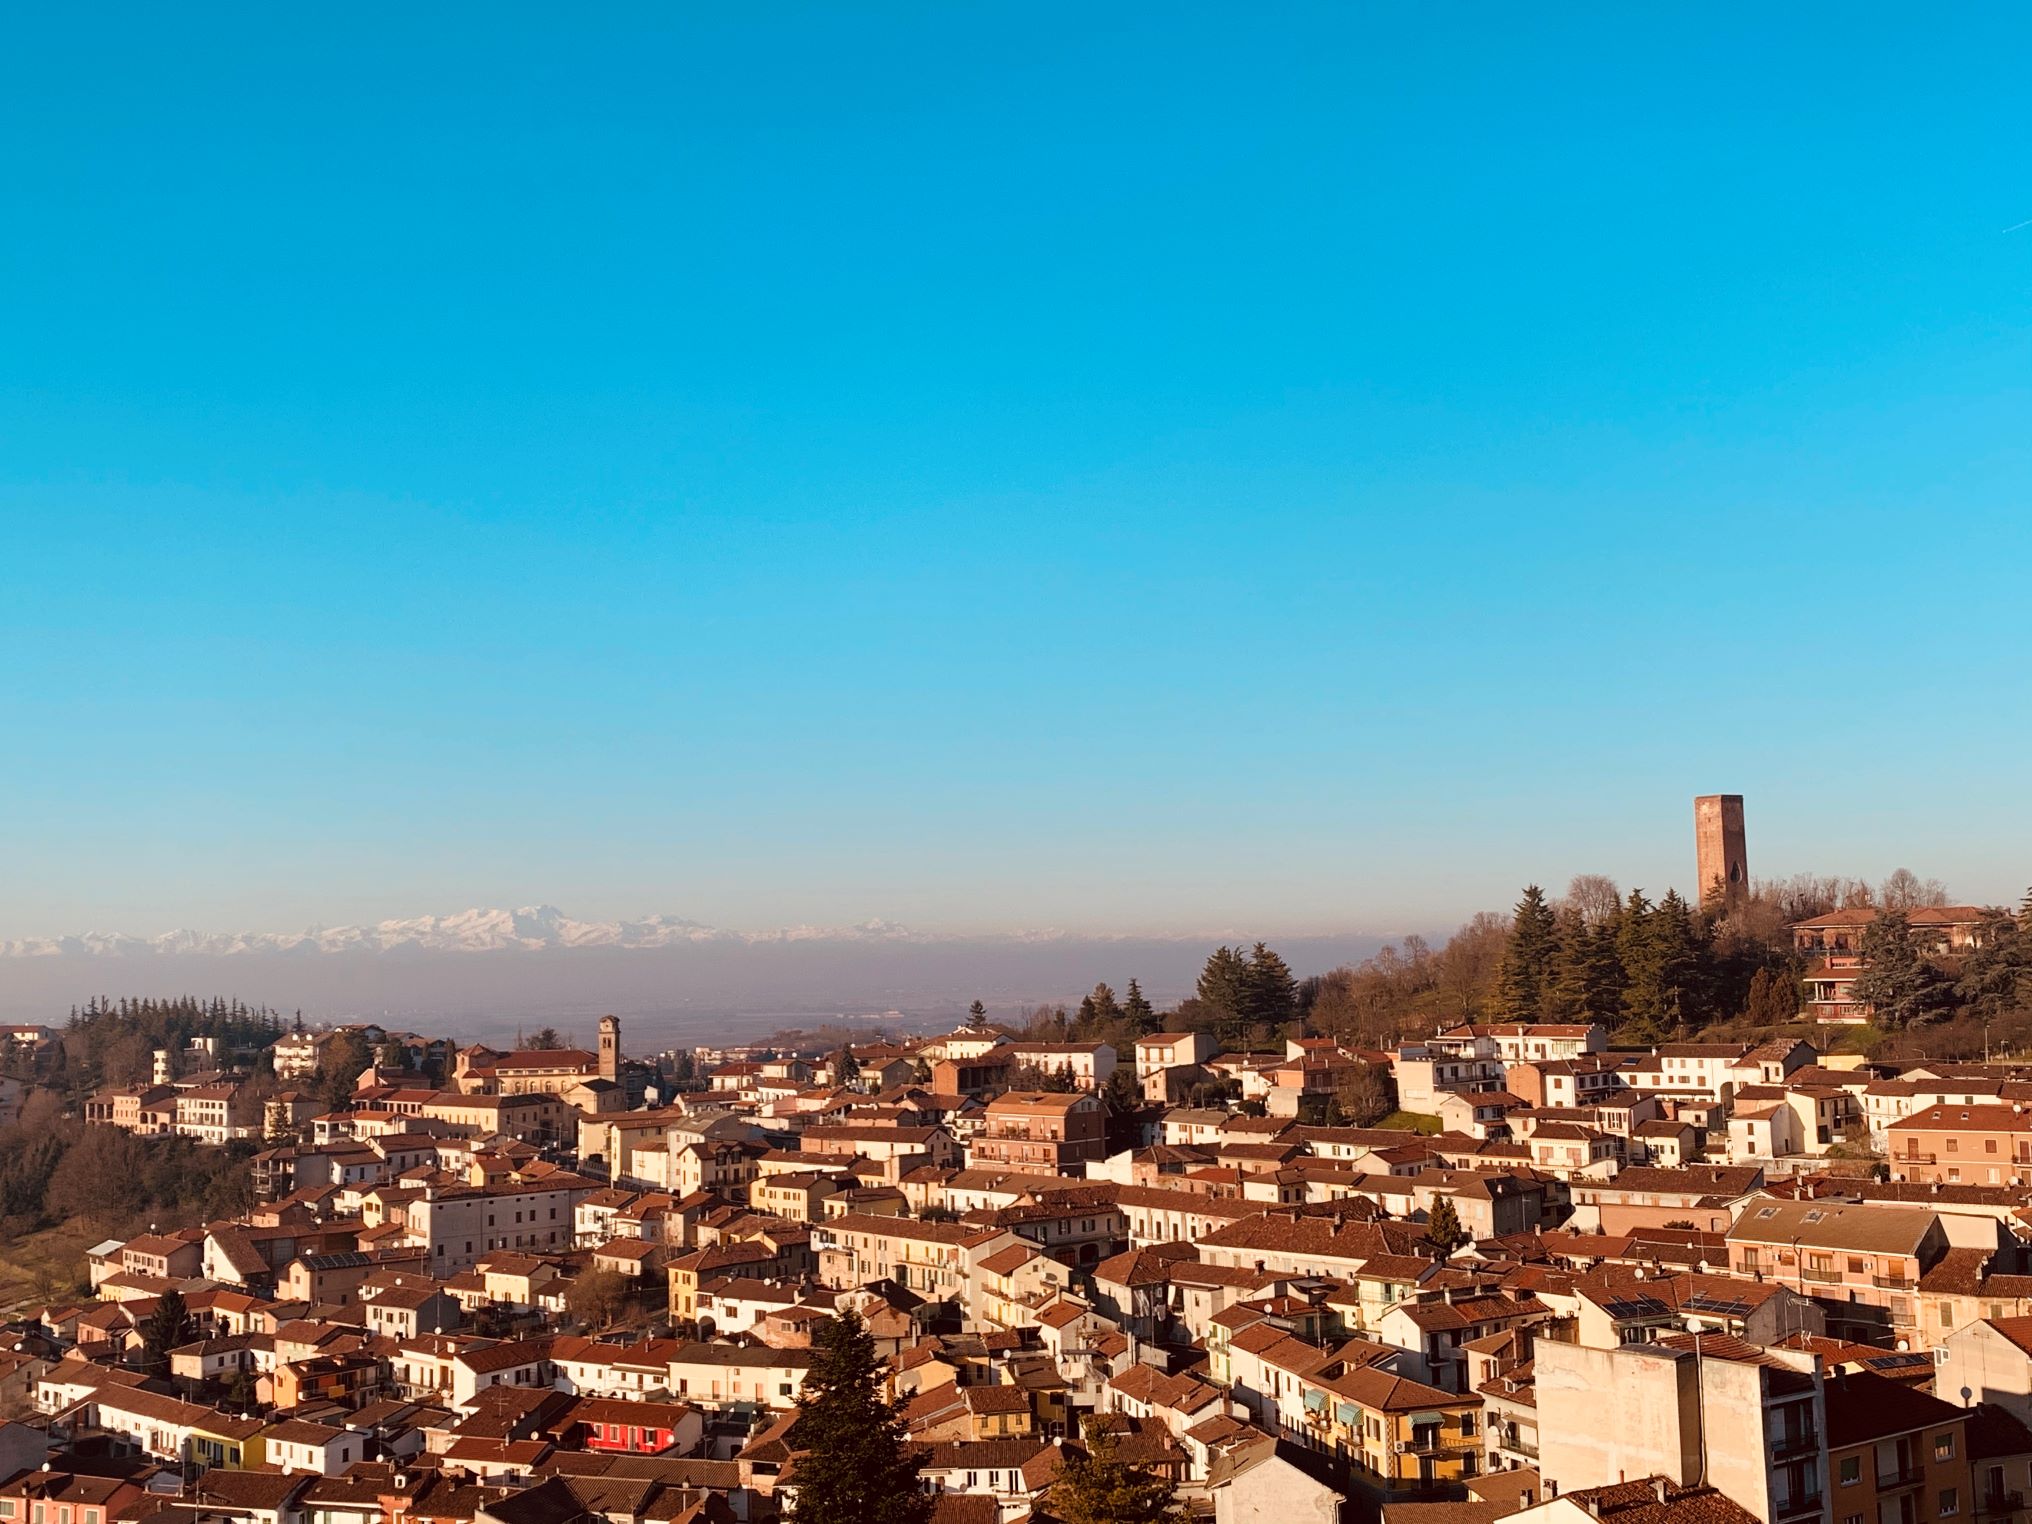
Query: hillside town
<point x="565" y="1284"/>
<point x="929" y="764"/>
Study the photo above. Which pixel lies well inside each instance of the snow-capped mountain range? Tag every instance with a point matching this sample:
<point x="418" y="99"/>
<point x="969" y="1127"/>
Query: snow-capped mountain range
<point x="533" y="928"/>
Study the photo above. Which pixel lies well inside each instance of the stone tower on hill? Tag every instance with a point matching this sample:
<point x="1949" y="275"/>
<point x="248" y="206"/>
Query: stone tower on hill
<point x="1724" y="865"/>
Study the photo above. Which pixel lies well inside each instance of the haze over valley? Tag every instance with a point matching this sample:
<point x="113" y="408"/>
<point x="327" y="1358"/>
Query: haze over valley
<point x="484" y="972"/>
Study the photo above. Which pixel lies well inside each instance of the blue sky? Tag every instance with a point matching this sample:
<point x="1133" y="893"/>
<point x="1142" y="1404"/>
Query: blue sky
<point x="1108" y="467"/>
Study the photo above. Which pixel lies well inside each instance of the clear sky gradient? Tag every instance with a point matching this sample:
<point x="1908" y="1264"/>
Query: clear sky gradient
<point x="1108" y="467"/>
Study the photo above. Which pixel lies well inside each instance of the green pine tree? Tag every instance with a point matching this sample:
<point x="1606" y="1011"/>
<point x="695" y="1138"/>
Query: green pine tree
<point x="1524" y="982"/>
<point x="977" y="1016"/>
<point x="1679" y="948"/>
<point x="1899" y="982"/>
<point x="1224" y="990"/>
<point x="1636" y="955"/>
<point x="1138" y="1010"/>
<point x="166" y="1328"/>
<point x="854" y="1467"/>
<point x="1272" y="988"/>
<point x="1096" y="1486"/>
<point x="1996" y="974"/>
<point x="1599" y="981"/>
<point x="1578" y="975"/>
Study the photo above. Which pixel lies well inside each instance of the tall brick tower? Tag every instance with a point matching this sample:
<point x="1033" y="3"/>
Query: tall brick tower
<point x="1724" y="863"/>
<point x="610" y="1029"/>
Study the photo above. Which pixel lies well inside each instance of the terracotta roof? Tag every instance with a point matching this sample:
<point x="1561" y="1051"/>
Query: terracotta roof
<point x="1654" y="1500"/>
<point x="1818" y="1224"/>
<point x="249" y="1490"/>
<point x="501" y="1357"/>
<point x="982" y="1454"/>
<point x="1703" y="1179"/>
<point x="1958" y="1272"/>
<point x="1863" y="1407"/>
<point x="1323" y="1236"/>
<point x="1373" y="1387"/>
<point x="1469" y="1511"/>
<point x="1978" y="1118"/>
<point x="1006" y="1261"/>
<point x="547" y="1058"/>
<point x="908" y="1227"/>
<point x="995" y="1399"/>
<point x="1994" y="1434"/>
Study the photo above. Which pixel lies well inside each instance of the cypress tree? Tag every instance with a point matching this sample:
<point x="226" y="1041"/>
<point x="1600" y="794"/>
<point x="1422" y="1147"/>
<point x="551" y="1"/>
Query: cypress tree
<point x="1773" y="999"/>
<point x="853" y="1467"/>
<point x="1443" y="1226"/>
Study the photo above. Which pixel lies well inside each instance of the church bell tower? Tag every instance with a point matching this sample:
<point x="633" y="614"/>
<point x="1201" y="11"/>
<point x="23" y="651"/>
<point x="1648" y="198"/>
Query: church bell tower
<point x="610" y="1048"/>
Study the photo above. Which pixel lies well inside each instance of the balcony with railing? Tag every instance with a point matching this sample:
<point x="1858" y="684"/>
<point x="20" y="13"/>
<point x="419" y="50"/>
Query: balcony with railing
<point x="1995" y="1503"/>
<point x="1797" y="1505"/>
<point x="1893" y="1282"/>
<point x="1426" y="1441"/>
<point x="1904" y="1473"/>
<point x="1797" y="1443"/>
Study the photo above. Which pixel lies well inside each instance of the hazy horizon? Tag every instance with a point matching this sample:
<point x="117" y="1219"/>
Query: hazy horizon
<point x="664" y="994"/>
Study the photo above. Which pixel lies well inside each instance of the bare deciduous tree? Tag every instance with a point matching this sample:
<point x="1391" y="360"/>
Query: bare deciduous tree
<point x="1595" y="896"/>
<point x="1805" y="895"/>
<point x="1906" y="890"/>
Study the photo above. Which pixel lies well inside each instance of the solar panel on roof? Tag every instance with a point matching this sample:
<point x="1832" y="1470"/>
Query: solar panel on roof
<point x="1898" y="1360"/>
<point x="1728" y="1307"/>
<point x="1637" y="1307"/>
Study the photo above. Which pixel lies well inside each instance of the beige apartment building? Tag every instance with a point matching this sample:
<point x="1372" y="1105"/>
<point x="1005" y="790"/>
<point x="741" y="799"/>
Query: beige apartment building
<point x="1963" y="1145"/>
<point x="1041" y="1132"/>
<point x="1861" y="1263"/>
